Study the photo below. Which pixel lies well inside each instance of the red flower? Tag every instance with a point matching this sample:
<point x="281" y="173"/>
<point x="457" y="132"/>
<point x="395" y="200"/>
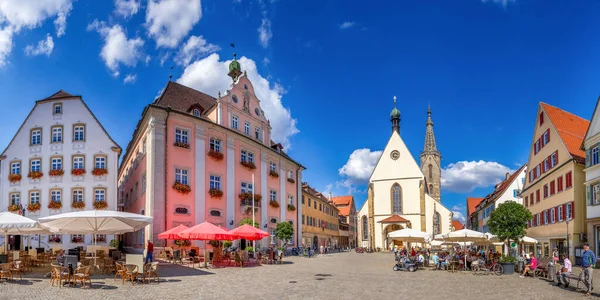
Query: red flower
<point x="99" y="172"/>
<point x="54" y="173"/>
<point x="77" y="172"/>
<point x="182" y="145"/>
<point x="291" y="180"/>
<point x="100" y="205"/>
<point x="33" y="207"/>
<point x="14" y="178"/>
<point x="78" y="205"/>
<point x="54" y="205"/>
<point x="35" y="175"/>
<point x="215" y="193"/>
<point x="182" y="188"/>
<point x="218" y="156"/>
<point x="274" y="174"/>
<point x="274" y="203"/>
<point x="291" y="207"/>
<point x="249" y="165"/>
<point x="13" y="208"/>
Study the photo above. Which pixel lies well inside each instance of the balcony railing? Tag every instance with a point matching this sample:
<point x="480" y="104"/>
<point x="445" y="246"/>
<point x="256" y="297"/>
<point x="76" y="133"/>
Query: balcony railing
<point x="247" y="202"/>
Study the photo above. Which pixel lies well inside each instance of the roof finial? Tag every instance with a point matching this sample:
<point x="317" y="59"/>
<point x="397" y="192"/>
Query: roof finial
<point x="394" y="101"/>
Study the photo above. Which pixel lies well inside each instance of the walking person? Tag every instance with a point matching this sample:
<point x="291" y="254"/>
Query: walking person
<point x="588" y="262"/>
<point x="149" y="252"/>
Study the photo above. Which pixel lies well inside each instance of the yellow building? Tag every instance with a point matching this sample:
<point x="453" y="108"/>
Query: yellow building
<point x="320" y="223"/>
<point x="554" y="191"/>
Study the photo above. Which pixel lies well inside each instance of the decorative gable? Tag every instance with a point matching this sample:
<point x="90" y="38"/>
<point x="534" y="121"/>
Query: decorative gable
<point x="396" y="162"/>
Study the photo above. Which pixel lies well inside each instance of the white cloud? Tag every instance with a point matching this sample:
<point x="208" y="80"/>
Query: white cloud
<point x="18" y="14"/>
<point x="169" y="21"/>
<point x="118" y="49"/>
<point x="264" y="32"/>
<point x="457" y="215"/>
<point x="346" y="25"/>
<point x="195" y="47"/>
<point x="44" y="47"/>
<point x="501" y="2"/>
<point x="130" y="78"/>
<point x="127" y="8"/>
<point x="209" y="75"/>
<point x="266" y="61"/>
<point x="465" y="176"/>
<point x="360" y="165"/>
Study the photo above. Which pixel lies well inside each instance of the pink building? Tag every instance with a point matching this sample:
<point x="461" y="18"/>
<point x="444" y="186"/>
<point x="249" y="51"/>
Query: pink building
<point x="192" y="157"/>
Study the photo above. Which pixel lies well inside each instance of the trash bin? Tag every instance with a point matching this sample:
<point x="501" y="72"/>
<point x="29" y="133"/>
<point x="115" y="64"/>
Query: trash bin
<point x="520" y="266"/>
<point x="551" y="272"/>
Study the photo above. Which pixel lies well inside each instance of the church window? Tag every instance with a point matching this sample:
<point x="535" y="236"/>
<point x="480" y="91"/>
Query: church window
<point x="365" y="228"/>
<point x="437" y="228"/>
<point x="396" y="199"/>
<point x="430" y="171"/>
<point x="431" y="189"/>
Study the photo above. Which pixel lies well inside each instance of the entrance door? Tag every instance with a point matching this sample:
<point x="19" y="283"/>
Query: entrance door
<point x="315" y="242"/>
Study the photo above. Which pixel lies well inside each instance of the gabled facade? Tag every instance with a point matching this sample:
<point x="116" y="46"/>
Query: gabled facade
<point x="320" y="220"/>
<point x="192" y="158"/>
<point x="591" y="146"/>
<point x="554" y="190"/>
<point x="507" y="190"/>
<point x="347" y="209"/>
<point x="472" y="215"/>
<point x="60" y="160"/>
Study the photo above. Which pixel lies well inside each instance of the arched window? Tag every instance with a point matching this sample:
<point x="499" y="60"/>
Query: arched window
<point x="431" y="189"/>
<point x="396" y="199"/>
<point x="196" y="112"/>
<point x="430" y="171"/>
<point x="365" y="227"/>
<point x="437" y="226"/>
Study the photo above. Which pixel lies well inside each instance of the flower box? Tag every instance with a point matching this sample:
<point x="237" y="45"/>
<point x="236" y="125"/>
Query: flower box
<point x="100" y="238"/>
<point x="182" y="188"/>
<point x="215" y="193"/>
<point x="78" y="172"/>
<point x="78" y="205"/>
<point x="182" y="145"/>
<point x="77" y="240"/>
<point x="274" y="203"/>
<point x="291" y="207"/>
<point x="54" y="205"/>
<point x="13" y="208"/>
<point x="291" y="180"/>
<point x="54" y="239"/>
<point x="218" y="156"/>
<point x="99" y="171"/>
<point x="257" y="197"/>
<point x="33" y="207"/>
<point x="273" y="174"/>
<point x="14" y="178"/>
<point x="245" y="196"/>
<point x="100" y="205"/>
<point x="35" y="175"/>
<point x="56" y="172"/>
<point x="249" y="165"/>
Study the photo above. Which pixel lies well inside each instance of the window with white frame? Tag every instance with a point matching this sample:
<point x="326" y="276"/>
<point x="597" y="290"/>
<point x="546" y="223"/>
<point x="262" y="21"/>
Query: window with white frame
<point x="15" y="167"/>
<point x="57" y="109"/>
<point x="273" y="166"/>
<point x="546" y="165"/>
<point x="247" y="128"/>
<point x="215" y="182"/>
<point x="181" y="136"/>
<point x="196" y="112"/>
<point x="545" y="217"/>
<point x="78" y="163"/>
<point x="56" y="163"/>
<point x="15" y="198"/>
<point x="560" y="213"/>
<point x="181" y="176"/>
<point x="79" y="133"/>
<point x="36" y="137"/>
<point x="234" y="122"/>
<point x="537" y="220"/>
<point x="273" y="195"/>
<point x="247" y="156"/>
<point x="273" y="237"/>
<point x="215" y="145"/>
<point x="257" y="133"/>
<point x="99" y="195"/>
<point x="291" y="199"/>
<point x="595" y="193"/>
<point x="100" y="162"/>
<point x="55" y="195"/>
<point x="553" y="160"/>
<point x="545" y="136"/>
<point x="143" y="183"/>
<point x="34" y="197"/>
<point x="595" y="159"/>
<point x="552" y="215"/>
<point x="246" y="187"/>
<point x="35" y="165"/>
<point x="569" y="212"/>
<point x="77" y="195"/>
<point x="57" y="134"/>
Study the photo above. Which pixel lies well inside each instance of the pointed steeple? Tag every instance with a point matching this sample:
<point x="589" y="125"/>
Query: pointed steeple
<point x="431" y="160"/>
<point x="429" y="136"/>
<point x="395" y="118"/>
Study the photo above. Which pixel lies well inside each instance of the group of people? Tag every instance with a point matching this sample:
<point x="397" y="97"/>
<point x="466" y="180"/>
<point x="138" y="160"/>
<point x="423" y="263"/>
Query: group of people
<point x="441" y="259"/>
<point x="588" y="263"/>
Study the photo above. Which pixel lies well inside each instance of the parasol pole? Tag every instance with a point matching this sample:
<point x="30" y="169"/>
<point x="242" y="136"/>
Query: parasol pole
<point x="253" y="242"/>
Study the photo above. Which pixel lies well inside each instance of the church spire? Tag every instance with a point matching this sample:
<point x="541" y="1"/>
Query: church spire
<point x="395" y="118"/>
<point x="429" y="136"/>
<point x="431" y="160"/>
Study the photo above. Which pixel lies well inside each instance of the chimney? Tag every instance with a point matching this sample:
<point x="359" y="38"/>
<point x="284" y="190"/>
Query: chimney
<point x="507" y="176"/>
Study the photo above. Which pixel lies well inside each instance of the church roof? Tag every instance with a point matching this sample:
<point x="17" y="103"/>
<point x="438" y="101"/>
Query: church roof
<point x="430" y="145"/>
<point x="570" y="128"/>
<point x="472" y="205"/>
<point x="58" y="95"/>
<point x="457" y="225"/>
<point x="394" y="219"/>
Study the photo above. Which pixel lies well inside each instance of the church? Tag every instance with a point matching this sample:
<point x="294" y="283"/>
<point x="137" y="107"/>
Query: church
<point x="402" y="194"/>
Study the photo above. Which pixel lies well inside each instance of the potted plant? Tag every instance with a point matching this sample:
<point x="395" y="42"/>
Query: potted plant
<point x="214" y="243"/>
<point x="56" y="172"/>
<point x="13" y="208"/>
<point x="182" y="243"/>
<point x="54" y="239"/>
<point x="291" y="207"/>
<point x="78" y="172"/>
<point x="215" y="193"/>
<point x="508" y="264"/>
<point x="227" y="244"/>
<point x="182" y="145"/>
<point x="274" y="203"/>
<point x="99" y="171"/>
<point x="33" y="207"/>
<point x="54" y="205"/>
<point x="35" y="175"/>
<point x="78" y="205"/>
<point x="114" y="244"/>
<point x="257" y="197"/>
<point x="273" y="174"/>
<point x="249" y="165"/>
<point x="182" y="188"/>
<point x="100" y="205"/>
<point x="14" y="178"/>
<point x="291" y="180"/>
<point x="216" y="155"/>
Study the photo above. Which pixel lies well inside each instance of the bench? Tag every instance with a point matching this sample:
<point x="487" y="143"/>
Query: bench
<point x="542" y="267"/>
<point x="579" y="278"/>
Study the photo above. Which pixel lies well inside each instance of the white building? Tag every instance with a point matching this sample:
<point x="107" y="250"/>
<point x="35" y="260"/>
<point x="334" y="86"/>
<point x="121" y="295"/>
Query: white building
<point x="591" y="145"/>
<point x="400" y="195"/>
<point x="60" y="139"/>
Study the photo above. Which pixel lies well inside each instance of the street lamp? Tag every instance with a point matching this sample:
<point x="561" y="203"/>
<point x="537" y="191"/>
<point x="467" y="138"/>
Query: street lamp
<point x="568" y="249"/>
<point x="253" y="242"/>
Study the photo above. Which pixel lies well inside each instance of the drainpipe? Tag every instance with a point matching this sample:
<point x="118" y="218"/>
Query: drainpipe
<point x="166" y="162"/>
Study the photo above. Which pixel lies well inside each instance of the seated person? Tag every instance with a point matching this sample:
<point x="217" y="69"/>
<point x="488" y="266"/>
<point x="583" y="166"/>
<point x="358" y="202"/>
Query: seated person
<point x="530" y="266"/>
<point x="60" y="258"/>
<point x="562" y="273"/>
<point x="420" y="259"/>
<point x="435" y="259"/>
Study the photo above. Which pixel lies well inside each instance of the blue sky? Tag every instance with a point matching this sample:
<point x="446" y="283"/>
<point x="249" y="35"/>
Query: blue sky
<point x="326" y="72"/>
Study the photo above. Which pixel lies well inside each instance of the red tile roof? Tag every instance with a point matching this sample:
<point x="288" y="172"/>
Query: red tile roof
<point x="472" y="204"/>
<point x="500" y="188"/>
<point x="343" y="203"/>
<point x="570" y="128"/>
<point x="59" y="95"/>
<point x="457" y="225"/>
<point x="182" y="98"/>
<point x="394" y="219"/>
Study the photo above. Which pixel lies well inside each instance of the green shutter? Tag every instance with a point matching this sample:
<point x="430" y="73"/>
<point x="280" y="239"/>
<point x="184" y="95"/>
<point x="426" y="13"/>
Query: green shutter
<point x="588" y="194"/>
<point x="588" y="157"/>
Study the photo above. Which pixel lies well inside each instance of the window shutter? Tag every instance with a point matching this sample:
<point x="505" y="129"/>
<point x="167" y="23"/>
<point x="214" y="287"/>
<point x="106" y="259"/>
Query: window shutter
<point x="588" y="157"/>
<point x="564" y="211"/>
<point x="573" y="209"/>
<point x="548" y="131"/>
<point x="556" y="214"/>
<point x="588" y="194"/>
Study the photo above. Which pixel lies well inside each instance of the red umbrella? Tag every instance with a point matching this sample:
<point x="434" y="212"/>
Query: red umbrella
<point x="172" y="234"/>
<point x="206" y="231"/>
<point x="250" y="233"/>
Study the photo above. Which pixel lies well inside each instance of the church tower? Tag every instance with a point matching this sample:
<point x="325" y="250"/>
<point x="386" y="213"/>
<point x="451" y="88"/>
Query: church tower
<point x="431" y="160"/>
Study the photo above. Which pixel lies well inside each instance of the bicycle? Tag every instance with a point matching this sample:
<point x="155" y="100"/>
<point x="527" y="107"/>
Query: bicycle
<point x="494" y="267"/>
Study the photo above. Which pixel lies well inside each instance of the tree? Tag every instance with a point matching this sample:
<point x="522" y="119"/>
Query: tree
<point x="509" y="220"/>
<point x="248" y="221"/>
<point x="284" y="232"/>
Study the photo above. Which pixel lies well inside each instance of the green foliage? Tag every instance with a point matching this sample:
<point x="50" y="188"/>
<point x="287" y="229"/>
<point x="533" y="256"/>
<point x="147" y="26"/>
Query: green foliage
<point x="114" y="244"/>
<point x="250" y="249"/>
<point x="227" y="244"/>
<point x="507" y="259"/>
<point x="284" y="231"/>
<point x="214" y="243"/>
<point x="509" y="221"/>
<point x="248" y="221"/>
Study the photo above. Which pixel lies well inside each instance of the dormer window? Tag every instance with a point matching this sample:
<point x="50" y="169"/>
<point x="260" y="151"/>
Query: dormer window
<point x="57" y="109"/>
<point x="196" y="112"/>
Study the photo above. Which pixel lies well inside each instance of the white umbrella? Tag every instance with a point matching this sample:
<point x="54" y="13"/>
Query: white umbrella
<point x="528" y="240"/>
<point x="464" y="236"/>
<point x="11" y="223"/>
<point x="95" y="222"/>
<point x="409" y="235"/>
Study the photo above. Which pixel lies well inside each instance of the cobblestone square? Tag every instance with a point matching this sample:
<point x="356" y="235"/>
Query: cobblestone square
<point x="333" y="276"/>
